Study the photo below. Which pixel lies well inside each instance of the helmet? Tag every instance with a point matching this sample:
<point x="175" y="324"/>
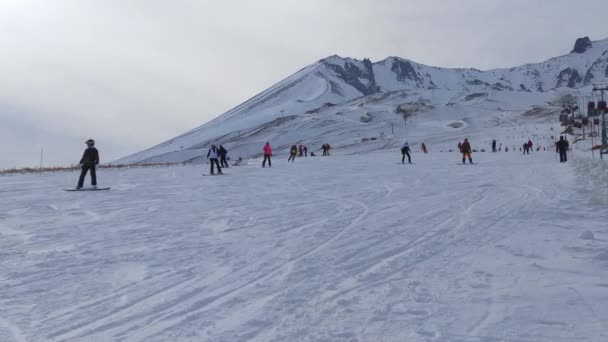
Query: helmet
<point x="90" y="142"/>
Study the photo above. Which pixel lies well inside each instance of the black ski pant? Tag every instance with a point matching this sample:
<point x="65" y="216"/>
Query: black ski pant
<point x="409" y="159"/>
<point x="223" y="161"/>
<point x="292" y="157"/>
<point x="466" y="155"/>
<point x="267" y="157"/>
<point x="83" y="173"/>
<point x="214" y="161"/>
<point x="563" y="156"/>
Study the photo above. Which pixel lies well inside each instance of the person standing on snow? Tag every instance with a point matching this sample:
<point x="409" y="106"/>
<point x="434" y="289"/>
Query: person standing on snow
<point x="562" y="148"/>
<point x="465" y="148"/>
<point x="301" y="150"/>
<point x="305" y="151"/>
<point x="324" y="148"/>
<point x="213" y="156"/>
<point x="526" y="149"/>
<point x="89" y="160"/>
<point x="494" y="145"/>
<point x="423" y="147"/>
<point x="267" y="153"/>
<point x="405" y="151"/>
<point x="292" y="153"/>
<point x="529" y="145"/>
<point x="223" y="154"/>
<point x="460" y="147"/>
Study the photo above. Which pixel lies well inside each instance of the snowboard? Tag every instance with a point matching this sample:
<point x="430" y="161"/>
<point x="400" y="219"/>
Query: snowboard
<point x="215" y="174"/>
<point x="466" y="164"/>
<point x="405" y="163"/>
<point x="88" y="189"/>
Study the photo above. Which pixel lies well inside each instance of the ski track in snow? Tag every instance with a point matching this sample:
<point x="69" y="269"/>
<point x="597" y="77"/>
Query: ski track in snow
<point x="346" y="248"/>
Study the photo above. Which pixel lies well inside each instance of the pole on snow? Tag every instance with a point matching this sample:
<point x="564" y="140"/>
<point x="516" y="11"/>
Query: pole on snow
<point x="41" y="156"/>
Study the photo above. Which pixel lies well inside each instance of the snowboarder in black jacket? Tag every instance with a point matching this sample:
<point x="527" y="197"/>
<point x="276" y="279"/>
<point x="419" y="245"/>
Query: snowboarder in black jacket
<point x="405" y="151"/>
<point x="562" y="148"/>
<point x="89" y="160"/>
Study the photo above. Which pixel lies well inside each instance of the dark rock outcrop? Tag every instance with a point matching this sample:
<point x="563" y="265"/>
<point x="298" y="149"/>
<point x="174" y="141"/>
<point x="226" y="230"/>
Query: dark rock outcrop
<point x="581" y="45"/>
<point x="352" y="75"/>
<point x="568" y="77"/>
<point x="501" y="87"/>
<point x="405" y="71"/>
<point x="477" y="82"/>
<point x="475" y="96"/>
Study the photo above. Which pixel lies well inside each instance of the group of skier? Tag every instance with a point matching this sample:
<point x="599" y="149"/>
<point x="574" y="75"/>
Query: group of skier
<point x="326" y="149"/>
<point x="294" y="150"/>
<point x="527" y="147"/>
<point x="217" y="156"/>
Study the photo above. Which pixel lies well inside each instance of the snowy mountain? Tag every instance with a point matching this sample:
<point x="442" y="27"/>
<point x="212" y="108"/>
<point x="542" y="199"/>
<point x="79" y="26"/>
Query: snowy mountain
<point x="345" y="101"/>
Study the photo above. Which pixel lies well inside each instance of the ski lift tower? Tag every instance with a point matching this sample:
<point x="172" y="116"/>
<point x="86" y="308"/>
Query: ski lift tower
<point x="602" y="88"/>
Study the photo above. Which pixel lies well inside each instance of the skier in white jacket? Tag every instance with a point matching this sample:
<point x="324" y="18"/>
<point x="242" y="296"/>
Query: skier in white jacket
<point x="213" y="155"/>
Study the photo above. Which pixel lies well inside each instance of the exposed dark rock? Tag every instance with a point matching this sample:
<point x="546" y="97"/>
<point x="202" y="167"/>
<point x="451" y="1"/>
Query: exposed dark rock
<point x="368" y="74"/>
<point x="474" y="96"/>
<point x="500" y="87"/>
<point x="581" y="45"/>
<point x="352" y="75"/>
<point x="597" y="69"/>
<point x="539" y="86"/>
<point x="523" y="87"/>
<point x="405" y="71"/>
<point x="568" y="77"/>
<point x="589" y="76"/>
<point x="477" y="82"/>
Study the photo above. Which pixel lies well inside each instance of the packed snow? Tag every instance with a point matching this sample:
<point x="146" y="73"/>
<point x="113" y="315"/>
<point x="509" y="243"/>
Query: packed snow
<point x="351" y="247"/>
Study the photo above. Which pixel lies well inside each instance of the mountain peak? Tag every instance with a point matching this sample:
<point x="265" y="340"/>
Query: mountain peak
<point x="581" y="45"/>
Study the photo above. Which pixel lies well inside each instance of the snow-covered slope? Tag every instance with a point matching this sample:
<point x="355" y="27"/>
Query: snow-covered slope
<point x="341" y="249"/>
<point x="325" y="102"/>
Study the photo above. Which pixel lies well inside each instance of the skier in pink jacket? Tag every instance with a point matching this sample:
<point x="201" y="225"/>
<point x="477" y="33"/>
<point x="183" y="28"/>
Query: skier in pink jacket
<point x="267" y="154"/>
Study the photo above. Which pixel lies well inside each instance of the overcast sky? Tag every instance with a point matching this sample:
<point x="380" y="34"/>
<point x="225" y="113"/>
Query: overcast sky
<point x="132" y="73"/>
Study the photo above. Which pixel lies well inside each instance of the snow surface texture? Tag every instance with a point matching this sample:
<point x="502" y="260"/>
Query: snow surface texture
<point x="342" y="101"/>
<point x="342" y="248"/>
